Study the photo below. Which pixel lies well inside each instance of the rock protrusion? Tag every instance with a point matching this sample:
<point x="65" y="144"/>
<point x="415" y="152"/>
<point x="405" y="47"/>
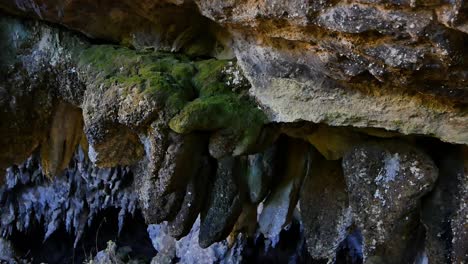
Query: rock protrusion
<point x="224" y="204"/>
<point x="444" y="210"/>
<point x="259" y="175"/>
<point x="196" y="192"/>
<point x="385" y="181"/>
<point x="294" y="164"/>
<point x="325" y="211"/>
<point x="65" y="134"/>
<point x="171" y="161"/>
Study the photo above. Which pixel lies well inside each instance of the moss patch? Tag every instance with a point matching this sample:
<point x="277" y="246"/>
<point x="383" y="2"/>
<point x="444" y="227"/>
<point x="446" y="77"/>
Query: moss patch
<point x="226" y="111"/>
<point x="173" y="82"/>
<point x="165" y="78"/>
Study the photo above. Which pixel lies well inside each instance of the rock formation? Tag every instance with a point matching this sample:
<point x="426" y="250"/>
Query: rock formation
<point x="209" y="131"/>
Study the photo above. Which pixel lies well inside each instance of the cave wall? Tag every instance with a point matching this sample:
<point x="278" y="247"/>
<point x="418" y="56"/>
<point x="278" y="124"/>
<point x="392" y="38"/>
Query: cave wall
<point x="235" y="131"/>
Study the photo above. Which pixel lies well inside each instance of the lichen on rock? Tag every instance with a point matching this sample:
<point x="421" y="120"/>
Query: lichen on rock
<point x="385" y="182"/>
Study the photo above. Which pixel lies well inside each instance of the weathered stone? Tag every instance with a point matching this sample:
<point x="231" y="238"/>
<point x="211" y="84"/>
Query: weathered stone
<point x="333" y="142"/>
<point x="32" y="64"/>
<point x="246" y="224"/>
<point x="237" y="122"/>
<point x="368" y="64"/>
<point x="187" y="249"/>
<point x="295" y="157"/>
<point x="172" y="160"/>
<point x="181" y="161"/>
<point x="385" y="182"/>
<point x="260" y="173"/>
<point x="194" y="199"/>
<point x="460" y="222"/>
<point x="70" y="202"/>
<point x="112" y="144"/>
<point x="325" y="212"/>
<point x="64" y="136"/>
<point x="127" y="90"/>
<point x="113" y="254"/>
<point x="165" y="25"/>
<point x="224" y="204"/>
<point x="443" y="209"/>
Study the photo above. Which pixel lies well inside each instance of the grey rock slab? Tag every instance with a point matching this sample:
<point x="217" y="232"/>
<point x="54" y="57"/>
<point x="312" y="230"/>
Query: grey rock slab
<point x="385" y="181"/>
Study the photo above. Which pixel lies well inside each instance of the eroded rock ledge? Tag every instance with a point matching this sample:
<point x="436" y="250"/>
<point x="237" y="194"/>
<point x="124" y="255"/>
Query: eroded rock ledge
<point x="221" y="165"/>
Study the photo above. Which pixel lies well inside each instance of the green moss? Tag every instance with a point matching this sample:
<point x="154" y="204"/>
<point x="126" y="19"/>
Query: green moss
<point x="173" y="81"/>
<point x="210" y="77"/>
<point x="166" y="78"/>
<point x="227" y="111"/>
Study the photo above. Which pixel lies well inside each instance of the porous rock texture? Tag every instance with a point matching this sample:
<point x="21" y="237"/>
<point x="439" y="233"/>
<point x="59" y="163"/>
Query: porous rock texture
<point x="385" y="181"/>
<point x="212" y="131"/>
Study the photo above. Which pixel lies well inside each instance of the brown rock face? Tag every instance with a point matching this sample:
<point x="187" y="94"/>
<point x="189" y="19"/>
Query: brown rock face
<point x="65" y="134"/>
<point x="398" y="65"/>
<point x="370" y="63"/>
<point x="163" y="25"/>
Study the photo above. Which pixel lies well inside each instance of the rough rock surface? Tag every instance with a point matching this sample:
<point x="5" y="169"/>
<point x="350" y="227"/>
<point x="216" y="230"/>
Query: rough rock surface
<point x="325" y="211"/>
<point x="443" y="210"/>
<point x="164" y="25"/>
<point x="224" y="204"/>
<point x="279" y="206"/>
<point x="7" y="252"/>
<point x="194" y="200"/>
<point x="397" y="65"/>
<point x="177" y="110"/>
<point x="72" y="200"/>
<point x="260" y="172"/>
<point x="187" y="249"/>
<point x="394" y="65"/>
<point x="385" y="182"/>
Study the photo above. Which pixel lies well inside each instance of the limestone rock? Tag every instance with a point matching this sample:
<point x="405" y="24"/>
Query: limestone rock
<point x="194" y="200"/>
<point x="333" y="142"/>
<point x="366" y="64"/>
<point x="64" y="136"/>
<point x="224" y="204"/>
<point x="363" y="64"/>
<point x="443" y="209"/>
<point x="259" y="176"/>
<point x="172" y="160"/>
<point x="166" y="25"/>
<point x="114" y="254"/>
<point x="325" y="212"/>
<point x="70" y="201"/>
<point x="187" y="249"/>
<point x="295" y="157"/>
<point x="33" y="61"/>
<point x="385" y="182"/>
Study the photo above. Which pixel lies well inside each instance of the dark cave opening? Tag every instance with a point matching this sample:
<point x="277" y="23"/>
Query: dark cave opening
<point x="58" y="248"/>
